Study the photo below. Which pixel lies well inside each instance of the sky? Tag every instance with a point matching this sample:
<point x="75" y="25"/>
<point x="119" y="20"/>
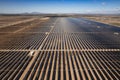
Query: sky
<point x="60" y="6"/>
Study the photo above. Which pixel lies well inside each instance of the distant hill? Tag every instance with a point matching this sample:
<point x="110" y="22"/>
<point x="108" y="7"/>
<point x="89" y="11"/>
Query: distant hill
<point x="56" y="14"/>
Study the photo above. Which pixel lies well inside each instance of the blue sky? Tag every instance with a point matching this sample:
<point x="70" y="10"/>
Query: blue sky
<point x="60" y="6"/>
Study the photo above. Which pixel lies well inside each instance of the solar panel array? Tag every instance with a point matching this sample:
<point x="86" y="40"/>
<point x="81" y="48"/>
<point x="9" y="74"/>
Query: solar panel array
<point x="61" y="49"/>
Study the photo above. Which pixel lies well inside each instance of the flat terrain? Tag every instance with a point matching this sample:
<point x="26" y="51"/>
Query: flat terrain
<point x="112" y="20"/>
<point x="59" y="48"/>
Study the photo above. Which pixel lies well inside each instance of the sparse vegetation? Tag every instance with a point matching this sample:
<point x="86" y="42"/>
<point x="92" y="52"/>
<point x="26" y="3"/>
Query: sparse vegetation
<point x="112" y="20"/>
